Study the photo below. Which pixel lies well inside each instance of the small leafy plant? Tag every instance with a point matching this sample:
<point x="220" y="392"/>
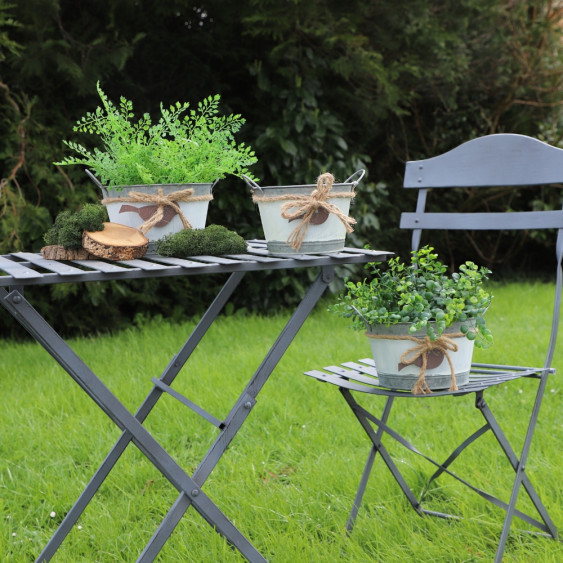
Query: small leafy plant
<point x="182" y="147"/>
<point x="422" y="295"/>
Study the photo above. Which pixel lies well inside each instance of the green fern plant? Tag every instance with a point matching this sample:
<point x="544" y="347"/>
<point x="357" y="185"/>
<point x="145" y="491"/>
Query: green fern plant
<point x="183" y="146"/>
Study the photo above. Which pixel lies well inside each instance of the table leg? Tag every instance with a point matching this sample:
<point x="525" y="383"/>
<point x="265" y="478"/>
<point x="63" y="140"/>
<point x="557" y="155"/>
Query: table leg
<point x="239" y="412"/>
<point x="168" y="376"/>
<point x="32" y="321"/>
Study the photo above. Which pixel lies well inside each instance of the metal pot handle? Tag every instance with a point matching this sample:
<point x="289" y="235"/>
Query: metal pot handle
<point x="361" y="172"/>
<point x="253" y="185"/>
<point x="95" y="180"/>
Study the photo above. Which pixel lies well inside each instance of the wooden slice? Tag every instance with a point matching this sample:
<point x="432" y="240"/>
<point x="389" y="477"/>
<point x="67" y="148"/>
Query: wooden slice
<point x="116" y="242"/>
<point x="59" y="252"/>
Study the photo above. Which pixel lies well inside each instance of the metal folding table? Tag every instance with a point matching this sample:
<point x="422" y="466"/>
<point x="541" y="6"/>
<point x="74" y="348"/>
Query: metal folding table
<point x="21" y="269"/>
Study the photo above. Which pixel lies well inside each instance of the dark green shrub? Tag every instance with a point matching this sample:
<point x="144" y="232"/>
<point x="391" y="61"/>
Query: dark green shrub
<point x="69" y="226"/>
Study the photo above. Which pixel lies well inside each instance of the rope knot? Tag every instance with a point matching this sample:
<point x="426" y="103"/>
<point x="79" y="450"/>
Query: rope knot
<point x="160" y="203"/>
<point x="308" y="208"/>
<point x="418" y="355"/>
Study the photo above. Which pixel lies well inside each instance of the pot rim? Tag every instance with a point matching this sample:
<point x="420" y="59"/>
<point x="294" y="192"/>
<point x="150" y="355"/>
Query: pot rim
<point x="137" y="186"/>
<point x="402" y="328"/>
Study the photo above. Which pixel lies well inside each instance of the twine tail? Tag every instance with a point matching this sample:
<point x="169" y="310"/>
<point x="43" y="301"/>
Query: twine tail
<point x="158" y="215"/>
<point x="296" y="237"/>
<point x="152" y="220"/>
<point x="421" y="387"/>
<point x="318" y="196"/>
<point x="444" y="344"/>
<point x="453" y="384"/>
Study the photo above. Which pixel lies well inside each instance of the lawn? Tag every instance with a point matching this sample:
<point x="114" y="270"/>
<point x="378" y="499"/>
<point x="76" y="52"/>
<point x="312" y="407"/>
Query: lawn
<point x="289" y="477"/>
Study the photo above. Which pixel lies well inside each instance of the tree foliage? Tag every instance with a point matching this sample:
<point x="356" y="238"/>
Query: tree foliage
<point x="324" y="85"/>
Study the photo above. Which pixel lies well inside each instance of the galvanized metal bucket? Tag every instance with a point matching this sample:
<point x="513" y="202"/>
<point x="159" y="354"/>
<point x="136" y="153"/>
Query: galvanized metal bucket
<point x="123" y="209"/>
<point x="389" y="348"/>
<point x="325" y="233"/>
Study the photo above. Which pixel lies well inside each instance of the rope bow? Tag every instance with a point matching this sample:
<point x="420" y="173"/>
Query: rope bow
<point x="444" y="344"/>
<point x="161" y="201"/>
<point x="307" y="205"/>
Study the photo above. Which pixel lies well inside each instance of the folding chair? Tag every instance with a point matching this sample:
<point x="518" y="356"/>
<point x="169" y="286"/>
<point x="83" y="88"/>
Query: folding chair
<point x="494" y="160"/>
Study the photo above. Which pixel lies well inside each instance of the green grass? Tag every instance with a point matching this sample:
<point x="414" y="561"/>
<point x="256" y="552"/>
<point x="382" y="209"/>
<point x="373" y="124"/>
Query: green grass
<point x="289" y="477"/>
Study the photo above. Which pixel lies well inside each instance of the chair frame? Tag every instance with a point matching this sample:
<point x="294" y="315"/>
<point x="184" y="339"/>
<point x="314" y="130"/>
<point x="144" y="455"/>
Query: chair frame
<point x="492" y="160"/>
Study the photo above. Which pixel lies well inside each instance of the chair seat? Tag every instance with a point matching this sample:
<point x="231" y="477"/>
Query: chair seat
<point x="362" y="376"/>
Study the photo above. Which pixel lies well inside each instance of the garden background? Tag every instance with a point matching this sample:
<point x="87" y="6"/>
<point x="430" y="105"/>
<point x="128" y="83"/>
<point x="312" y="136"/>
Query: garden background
<point x="324" y="85"/>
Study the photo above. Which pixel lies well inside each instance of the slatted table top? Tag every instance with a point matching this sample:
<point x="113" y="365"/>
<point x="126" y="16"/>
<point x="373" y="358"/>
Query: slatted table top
<point x="29" y="268"/>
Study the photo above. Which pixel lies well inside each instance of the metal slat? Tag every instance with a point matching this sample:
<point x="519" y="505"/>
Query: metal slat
<point x="17" y="270"/>
<point x="61" y="268"/>
<point x="349" y="250"/>
<point x="101" y="266"/>
<point x="145" y="265"/>
<point x="214" y="259"/>
<point x="517" y="220"/>
<point x="182" y="262"/>
<point x="253" y="258"/>
<point x="257" y="243"/>
<point x="365" y="367"/>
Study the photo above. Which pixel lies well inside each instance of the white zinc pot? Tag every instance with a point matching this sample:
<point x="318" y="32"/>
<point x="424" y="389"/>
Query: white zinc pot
<point x="182" y="206"/>
<point x="303" y="219"/>
<point x="393" y="349"/>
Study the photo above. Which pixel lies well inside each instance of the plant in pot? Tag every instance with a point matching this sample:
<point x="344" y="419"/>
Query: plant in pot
<point x="159" y="176"/>
<point x="421" y="322"/>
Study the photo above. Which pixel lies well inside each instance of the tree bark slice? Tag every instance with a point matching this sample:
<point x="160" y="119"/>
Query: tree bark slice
<point x="59" y="252"/>
<point x="116" y="242"/>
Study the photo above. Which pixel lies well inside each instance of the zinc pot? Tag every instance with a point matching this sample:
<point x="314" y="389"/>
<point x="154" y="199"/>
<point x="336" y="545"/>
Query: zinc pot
<point x="326" y="232"/>
<point x="393" y="345"/>
<point x="133" y="206"/>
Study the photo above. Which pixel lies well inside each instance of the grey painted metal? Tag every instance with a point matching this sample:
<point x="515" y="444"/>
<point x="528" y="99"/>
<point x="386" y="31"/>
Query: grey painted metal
<point x="27" y="268"/>
<point x="233" y="422"/>
<point x="365" y="417"/>
<point x="21" y="269"/>
<point x="504" y="159"/>
<point x="367" y="469"/>
<point x="494" y="160"/>
<point x="186" y="402"/>
<point x="517" y="220"/>
<point x="30" y="319"/>
<point x="168" y="376"/>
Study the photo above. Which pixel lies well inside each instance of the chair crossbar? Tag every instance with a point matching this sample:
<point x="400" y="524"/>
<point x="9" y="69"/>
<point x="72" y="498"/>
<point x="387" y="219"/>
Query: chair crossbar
<point x="186" y="402"/>
<point x="455" y="454"/>
<point x="521" y="220"/>
<point x="361" y="412"/>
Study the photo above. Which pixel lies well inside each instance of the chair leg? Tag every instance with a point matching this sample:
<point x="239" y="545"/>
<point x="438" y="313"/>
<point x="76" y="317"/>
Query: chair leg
<point x="375" y="438"/>
<point x="360" y="492"/>
<point x="443" y="467"/>
<point x="521" y="479"/>
<point x="367" y="471"/>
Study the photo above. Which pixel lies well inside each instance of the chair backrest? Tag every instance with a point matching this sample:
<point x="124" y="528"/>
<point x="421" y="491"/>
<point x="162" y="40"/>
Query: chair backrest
<point x="493" y="160"/>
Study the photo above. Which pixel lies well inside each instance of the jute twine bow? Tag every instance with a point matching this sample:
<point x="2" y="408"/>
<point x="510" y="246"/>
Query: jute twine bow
<point x="444" y="344"/>
<point x="161" y="201"/>
<point x="306" y="205"/>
